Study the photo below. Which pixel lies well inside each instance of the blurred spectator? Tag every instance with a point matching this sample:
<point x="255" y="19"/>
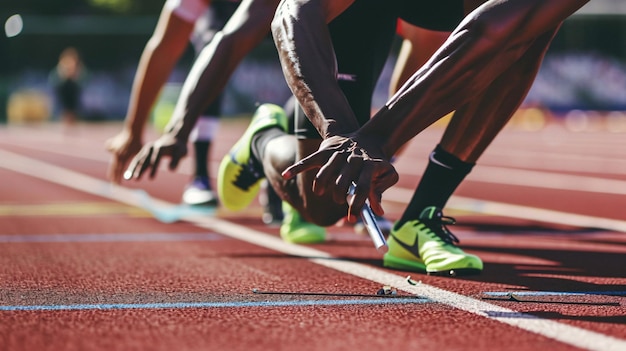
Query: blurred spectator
<point x="580" y="80"/>
<point x="66" y="80"/>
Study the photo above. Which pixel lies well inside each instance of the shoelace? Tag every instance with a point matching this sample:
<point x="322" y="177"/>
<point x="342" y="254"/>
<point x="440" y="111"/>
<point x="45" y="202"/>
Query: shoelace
<point x="438" y="227"/>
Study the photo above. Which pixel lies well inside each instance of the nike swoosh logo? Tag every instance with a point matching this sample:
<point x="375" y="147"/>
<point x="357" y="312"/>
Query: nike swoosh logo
<point x="414" y="249"/>
<point x="437" y="162"/>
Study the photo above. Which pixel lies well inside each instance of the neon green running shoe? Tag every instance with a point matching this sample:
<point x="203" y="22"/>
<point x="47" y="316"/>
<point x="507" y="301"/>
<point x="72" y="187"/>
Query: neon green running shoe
<point x="426" y="245"/>
<point x="239" y="178"/>
<point x="296" y="230"/>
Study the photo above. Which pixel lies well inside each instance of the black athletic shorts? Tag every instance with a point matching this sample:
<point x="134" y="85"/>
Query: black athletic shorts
<point x="439" y="15"/>
<point x="362" y="37"/>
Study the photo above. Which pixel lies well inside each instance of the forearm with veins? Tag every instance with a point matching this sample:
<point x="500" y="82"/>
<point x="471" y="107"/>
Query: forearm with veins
<point x="305" y="49"/>
<point x="212" y="69"/>
<point x="484" y="45"/>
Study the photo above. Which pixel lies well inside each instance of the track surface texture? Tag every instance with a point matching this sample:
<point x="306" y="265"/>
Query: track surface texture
<point x="91" y="266"/>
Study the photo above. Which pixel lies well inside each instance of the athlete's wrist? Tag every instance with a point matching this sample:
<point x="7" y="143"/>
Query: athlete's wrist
<point x="178" y="130"/>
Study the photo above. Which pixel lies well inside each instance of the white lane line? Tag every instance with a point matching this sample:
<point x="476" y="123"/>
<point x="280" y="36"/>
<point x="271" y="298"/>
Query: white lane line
<point x="109" y="238"/>
<point x="403" y="195"/>
<point x="552" y="161"/>
<point x="489" y="174"/>
<point x="544" y="177"/>
<point x="537" y="214"/>
<point x="564" y="333"/>
<point x="547" y="180"/>
<point x="141" y="199"/>
<point x="550" y="179"/>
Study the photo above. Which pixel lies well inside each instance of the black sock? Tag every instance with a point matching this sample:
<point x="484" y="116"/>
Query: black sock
<point x="260" y="141"/>
<point x="202" y="157"/>
<point x="443" y="175"/>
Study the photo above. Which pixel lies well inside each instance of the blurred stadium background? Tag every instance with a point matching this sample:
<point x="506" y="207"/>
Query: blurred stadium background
<point x="583" y="75"/>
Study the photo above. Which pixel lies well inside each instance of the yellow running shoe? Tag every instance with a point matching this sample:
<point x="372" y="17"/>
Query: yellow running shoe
<point x="296" y="230"/>
<point x="239" y="177"/>
<point x="426" y="245"/>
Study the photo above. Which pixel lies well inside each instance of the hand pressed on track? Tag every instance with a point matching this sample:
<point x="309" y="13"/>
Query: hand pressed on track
<point x="342" y="160"/>
<point x="123" y="147"/>
<point x="149" y="157"/>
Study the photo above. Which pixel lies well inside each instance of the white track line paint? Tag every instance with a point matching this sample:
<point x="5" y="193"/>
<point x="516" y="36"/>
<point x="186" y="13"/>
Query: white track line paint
<point x="403" y="195"/>
<point x="552" y="161"/>
<point x="542" y="179"/>
<point x="564" y="333"/>
<point x="110" y="238"/>
<point x="537" y="179"/>
<point x="502" y="174"/>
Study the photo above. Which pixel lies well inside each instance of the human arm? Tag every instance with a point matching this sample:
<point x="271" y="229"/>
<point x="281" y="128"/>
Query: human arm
<point x="162" y="51"/>
<point x="309" y="65"/>
<point x="247" y="27"/>
<point x="483" y="46"/>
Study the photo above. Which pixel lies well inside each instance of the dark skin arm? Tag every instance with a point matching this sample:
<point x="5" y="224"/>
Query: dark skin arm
<point x="483" y="46"/>
<point x="306" y="53"/>
<point x="166" y="45"/>
<point x="308" y="60"/>
<point x="209" y="74"/>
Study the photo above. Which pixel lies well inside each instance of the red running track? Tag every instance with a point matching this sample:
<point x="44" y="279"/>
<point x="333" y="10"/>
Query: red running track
<point x="88" y="266"/>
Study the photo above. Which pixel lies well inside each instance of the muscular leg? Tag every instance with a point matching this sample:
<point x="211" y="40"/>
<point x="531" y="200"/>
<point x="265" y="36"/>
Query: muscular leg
<point x="417" y="46"/>
<point x="485" y="45"/>
<point x="470" y="131"/>
<point x="359" y="65"/>
<point x="277" y="150"/>
<point x="473" y="127"/>
<point x="199" y="190"/>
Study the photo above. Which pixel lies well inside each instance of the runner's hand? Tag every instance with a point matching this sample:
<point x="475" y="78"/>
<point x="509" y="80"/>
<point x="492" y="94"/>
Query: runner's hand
<point x="123" y="147"/>
<point x="149" y="157"/>
<point x="342" y="160"/>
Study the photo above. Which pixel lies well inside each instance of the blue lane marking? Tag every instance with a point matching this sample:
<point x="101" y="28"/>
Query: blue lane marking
<point x="174" y="305"/>
<point x="90" y="238"/>
<point x="554" y="293"/>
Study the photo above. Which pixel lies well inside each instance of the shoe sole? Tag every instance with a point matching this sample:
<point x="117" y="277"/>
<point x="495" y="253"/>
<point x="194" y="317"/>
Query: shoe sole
<point x="206" y="200"/>
<point x="210" y="203"/>
<point x="305" y="234"/>
<point x="310" y="239"/>
<point x="390" y="261"/>
<point x="299" y="232"/>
